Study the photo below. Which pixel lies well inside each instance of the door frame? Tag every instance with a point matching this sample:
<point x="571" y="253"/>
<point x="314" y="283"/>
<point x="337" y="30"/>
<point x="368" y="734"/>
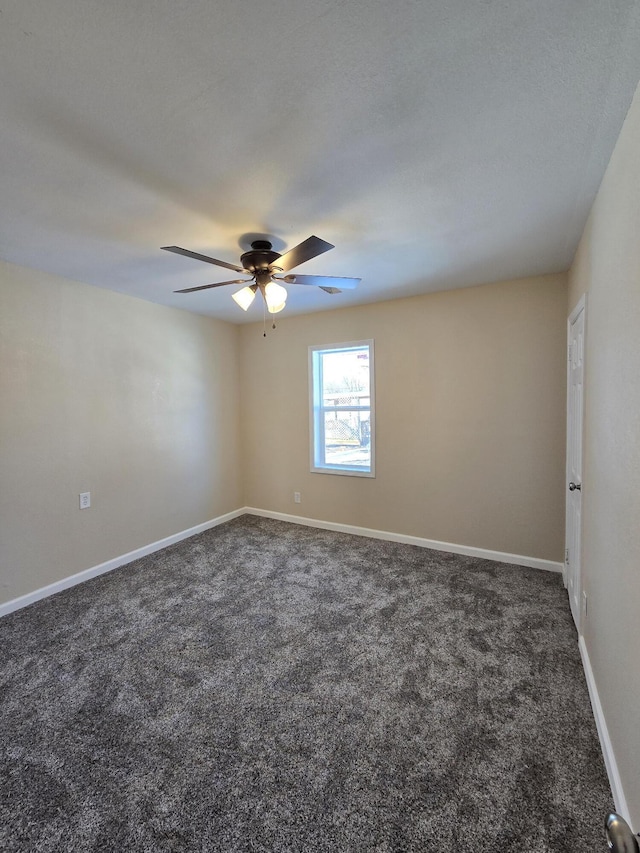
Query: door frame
<point x="581" y="305"/>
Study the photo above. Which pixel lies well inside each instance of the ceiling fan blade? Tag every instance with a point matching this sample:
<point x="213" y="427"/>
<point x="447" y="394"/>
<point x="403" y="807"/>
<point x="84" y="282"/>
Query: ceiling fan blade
<point x="178" y="251"/>
<point x="217" y="284"/>
<point x="305" y="251"/>
<point x="323" y="281"/>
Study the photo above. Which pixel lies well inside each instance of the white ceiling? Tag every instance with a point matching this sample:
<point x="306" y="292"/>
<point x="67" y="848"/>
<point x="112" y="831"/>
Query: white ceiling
<point x="437" y="144"/>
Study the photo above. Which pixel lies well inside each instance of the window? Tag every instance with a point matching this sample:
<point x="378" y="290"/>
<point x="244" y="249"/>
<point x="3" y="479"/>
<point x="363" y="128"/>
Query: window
<point x="342" y="409"/>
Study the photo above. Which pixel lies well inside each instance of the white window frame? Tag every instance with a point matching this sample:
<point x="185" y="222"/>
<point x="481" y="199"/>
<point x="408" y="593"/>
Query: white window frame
<point x="316" y="411"/>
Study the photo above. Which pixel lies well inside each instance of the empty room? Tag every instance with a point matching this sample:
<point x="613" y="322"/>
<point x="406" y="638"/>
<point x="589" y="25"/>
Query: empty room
<point x="320" y="426"/>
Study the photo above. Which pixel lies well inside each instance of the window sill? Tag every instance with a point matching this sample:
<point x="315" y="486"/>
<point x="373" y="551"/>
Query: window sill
<point x="344" y="472"/>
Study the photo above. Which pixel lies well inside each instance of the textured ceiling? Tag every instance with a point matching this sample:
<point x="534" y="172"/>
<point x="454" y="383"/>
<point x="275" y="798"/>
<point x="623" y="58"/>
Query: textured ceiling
<point x="437" y="144"/>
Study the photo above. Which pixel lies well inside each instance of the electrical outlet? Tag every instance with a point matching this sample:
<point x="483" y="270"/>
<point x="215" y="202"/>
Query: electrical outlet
<point x="85" y="500"/>
<point x="296" y="497"/>
<point x="584" y="604"/>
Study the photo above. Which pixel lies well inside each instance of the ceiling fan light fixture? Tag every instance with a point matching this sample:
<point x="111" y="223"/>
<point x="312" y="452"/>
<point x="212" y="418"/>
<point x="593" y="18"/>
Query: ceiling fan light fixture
<point x="275" y="296"/>
<point x="261" y="262"/>
<point x="244" y="297"/>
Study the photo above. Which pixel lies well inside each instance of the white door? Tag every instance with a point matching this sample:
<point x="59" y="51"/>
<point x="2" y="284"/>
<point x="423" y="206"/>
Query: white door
<point x="575" y="408"/>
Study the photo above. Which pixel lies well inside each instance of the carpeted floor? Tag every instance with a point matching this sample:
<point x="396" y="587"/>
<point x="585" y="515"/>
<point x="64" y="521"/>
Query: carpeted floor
<point x="270" y="687"/>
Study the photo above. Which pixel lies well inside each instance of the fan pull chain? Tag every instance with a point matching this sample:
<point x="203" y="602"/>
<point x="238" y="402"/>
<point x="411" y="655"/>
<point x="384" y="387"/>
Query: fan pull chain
<point x="264" y="321"/>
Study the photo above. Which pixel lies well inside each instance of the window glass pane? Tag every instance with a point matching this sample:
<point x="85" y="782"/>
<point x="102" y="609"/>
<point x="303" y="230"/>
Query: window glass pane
<point x="345" y="377"/>
<point x="347" y="438"/>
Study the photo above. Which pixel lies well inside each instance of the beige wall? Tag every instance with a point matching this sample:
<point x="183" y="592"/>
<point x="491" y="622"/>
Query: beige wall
<point x="607" y="268"/>
<point x="100" y="392"/>
<point x="470" y="389"/>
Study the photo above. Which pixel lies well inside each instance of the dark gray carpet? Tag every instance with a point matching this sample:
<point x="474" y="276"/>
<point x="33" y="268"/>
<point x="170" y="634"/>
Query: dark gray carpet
<point x="270" y="687"/>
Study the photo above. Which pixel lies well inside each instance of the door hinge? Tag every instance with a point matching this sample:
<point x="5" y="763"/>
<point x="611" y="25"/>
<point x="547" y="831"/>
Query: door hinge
<point x="566" y="556"/>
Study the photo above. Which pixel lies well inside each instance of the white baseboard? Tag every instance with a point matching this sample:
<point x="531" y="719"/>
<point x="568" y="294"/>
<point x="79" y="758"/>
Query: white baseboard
<point x="466" y="550"/>
<point x="94" y="571"/>
<point x="603" y="733"/>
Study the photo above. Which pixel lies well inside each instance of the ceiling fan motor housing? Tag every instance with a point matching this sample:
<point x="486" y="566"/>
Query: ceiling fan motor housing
<point x="261" y="258"/>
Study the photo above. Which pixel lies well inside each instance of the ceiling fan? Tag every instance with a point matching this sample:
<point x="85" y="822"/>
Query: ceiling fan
<point x="263" y="265"/>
